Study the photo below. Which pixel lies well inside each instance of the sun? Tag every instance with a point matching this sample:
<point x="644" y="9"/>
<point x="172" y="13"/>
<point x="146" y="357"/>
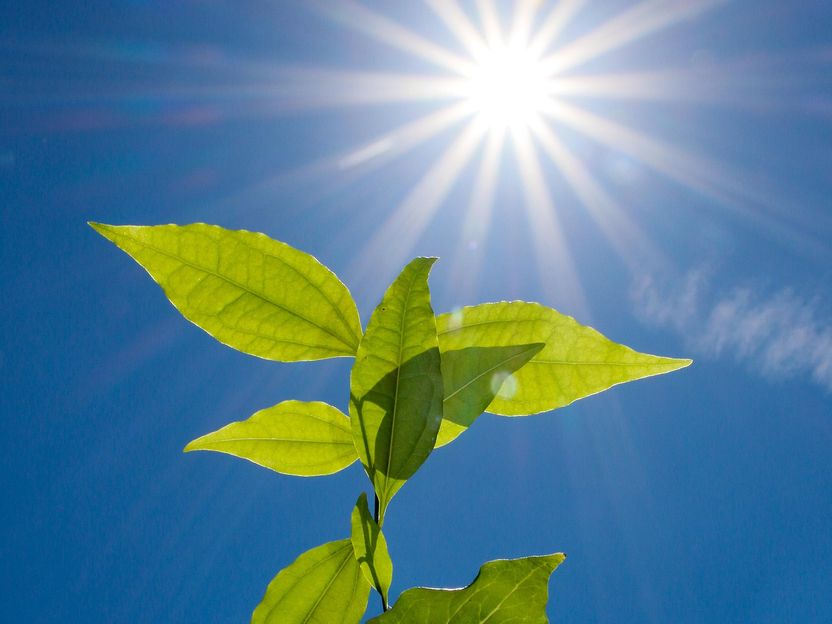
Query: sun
<point x="517" y="91"/>
<point x="507" y="87"/>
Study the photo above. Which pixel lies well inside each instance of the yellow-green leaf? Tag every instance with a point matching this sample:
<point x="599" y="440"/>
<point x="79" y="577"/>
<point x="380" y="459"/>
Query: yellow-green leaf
<point x="472" y="377"/>
<point x="250" y="292"/>
<point x="396" y="384"/>
<point x="293" y="437"/>
<point x="370" y="549"/>
<point x="509" y="591"/>
<point x="322" y="586"/>
<point x="575" y="362"/>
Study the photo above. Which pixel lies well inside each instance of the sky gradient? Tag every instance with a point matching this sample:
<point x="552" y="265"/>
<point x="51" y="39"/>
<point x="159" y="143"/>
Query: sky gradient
<point x="676" y="198"/>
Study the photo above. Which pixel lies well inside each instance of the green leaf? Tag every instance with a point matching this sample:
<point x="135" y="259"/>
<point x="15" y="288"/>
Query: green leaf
<point x="293" y="437"/>
<point x="250" y="292"/>
<point x="472" y="377"/>
<point x="507" y="591"/>
<point x="396" y="384"/>
<point x="576" y="362"/>
<point x="370" y="549"/>
<point x="322" y="586"/>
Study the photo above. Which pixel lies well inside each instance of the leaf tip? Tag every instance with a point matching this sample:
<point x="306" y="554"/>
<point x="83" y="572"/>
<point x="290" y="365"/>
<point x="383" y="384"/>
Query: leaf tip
<point x="102" y="228"/>
<point x="193" y="445"/>
<point x="362" y="500"/>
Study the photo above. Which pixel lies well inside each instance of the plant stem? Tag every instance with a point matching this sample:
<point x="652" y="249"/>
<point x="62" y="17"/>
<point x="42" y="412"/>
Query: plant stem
<point x="384" y="606"/>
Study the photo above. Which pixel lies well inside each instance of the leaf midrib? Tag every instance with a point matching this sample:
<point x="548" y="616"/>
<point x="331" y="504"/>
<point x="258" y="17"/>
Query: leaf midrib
<point x="405" y="312"/>
<point x="598" y="363"/>
<point x="326" y="589"/>
<point x="345" y="323"/>
<point x="509" y="594"/>
<point x="302" y="576"/>
<point x="273" y="439"/>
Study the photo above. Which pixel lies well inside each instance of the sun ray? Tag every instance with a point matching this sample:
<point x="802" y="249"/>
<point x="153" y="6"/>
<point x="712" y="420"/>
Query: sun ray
<point x="742" y="83"/>
<point x="522" y="20"/>
<point x="726" y="186"/>
<point x="395" y="239"/>
<point x="551" y="248"/>
<point x="477" y="222"/>
<point x="312" y="87"/>
<point x="631" y="244"/>
<point x="459" y="24"/>
<point x="402" y="139"/>
<point x="386" y="30"/>
<point x="678" y="85"/>
<point x="677" y="164"/>
<point x="647" y="17"/>
<point x="490" y="19"/>
<point x="350" y="164"/>
<point x="553" y="25"/>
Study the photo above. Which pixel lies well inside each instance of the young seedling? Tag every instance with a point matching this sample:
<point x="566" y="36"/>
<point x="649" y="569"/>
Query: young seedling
<point x="417" y="383"/>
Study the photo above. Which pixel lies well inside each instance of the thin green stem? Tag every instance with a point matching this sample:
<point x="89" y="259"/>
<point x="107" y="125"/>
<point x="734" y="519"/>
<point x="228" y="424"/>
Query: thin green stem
<point x="384" y="605"/>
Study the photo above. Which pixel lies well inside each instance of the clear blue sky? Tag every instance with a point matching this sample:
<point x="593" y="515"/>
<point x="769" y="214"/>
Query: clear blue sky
<point x="694" y="221"/>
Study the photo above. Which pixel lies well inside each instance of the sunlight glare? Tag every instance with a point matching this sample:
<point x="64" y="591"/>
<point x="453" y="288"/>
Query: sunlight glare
<point x="508" y="87"/>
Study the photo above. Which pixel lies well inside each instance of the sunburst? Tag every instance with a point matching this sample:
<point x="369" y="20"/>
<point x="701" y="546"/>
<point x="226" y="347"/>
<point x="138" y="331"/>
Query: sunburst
<point x="503" y="87"/>
<point x="512" y="84"/>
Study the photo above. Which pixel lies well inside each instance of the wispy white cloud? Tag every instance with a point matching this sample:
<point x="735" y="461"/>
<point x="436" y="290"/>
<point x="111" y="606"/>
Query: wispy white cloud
<point x="779" y="334"/>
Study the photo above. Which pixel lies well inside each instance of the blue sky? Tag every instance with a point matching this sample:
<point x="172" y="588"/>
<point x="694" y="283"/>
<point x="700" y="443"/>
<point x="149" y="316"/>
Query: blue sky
<point x="688" y="214"/>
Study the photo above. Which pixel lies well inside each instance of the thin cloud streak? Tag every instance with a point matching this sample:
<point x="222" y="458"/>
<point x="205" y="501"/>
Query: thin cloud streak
<point x="779" y="335"/>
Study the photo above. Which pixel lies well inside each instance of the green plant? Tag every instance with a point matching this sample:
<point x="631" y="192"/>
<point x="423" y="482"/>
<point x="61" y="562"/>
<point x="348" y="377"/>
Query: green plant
<point x="418" y="382"/>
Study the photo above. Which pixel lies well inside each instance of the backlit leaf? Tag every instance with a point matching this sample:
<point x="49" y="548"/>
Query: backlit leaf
<point x="396" y="384"/>
<point x="370" y="548"/>
<point x="509" y="591"/>
<point x="250" y="292"/>
<point x="576" y="361"/>
<point x="293" y="437"/>
<point x="322" y="586"/>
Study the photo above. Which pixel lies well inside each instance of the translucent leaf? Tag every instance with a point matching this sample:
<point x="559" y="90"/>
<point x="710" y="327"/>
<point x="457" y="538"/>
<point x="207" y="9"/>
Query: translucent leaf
<point x="472" y="377"/>
<point x="370" y="548"/>
<point x="575" y="362"/>
<point x="396" y="384"/>
<point x="250" y="292"/>
<point x="322" y="586"/>
<point x="293" y="437"/>
<point x="507" y="591"/>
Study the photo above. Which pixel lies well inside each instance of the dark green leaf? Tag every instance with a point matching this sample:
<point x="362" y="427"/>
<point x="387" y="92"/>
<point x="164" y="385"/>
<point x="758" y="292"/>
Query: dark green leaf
<point x="396" y="384"/>
<point x="472" y="377"/>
